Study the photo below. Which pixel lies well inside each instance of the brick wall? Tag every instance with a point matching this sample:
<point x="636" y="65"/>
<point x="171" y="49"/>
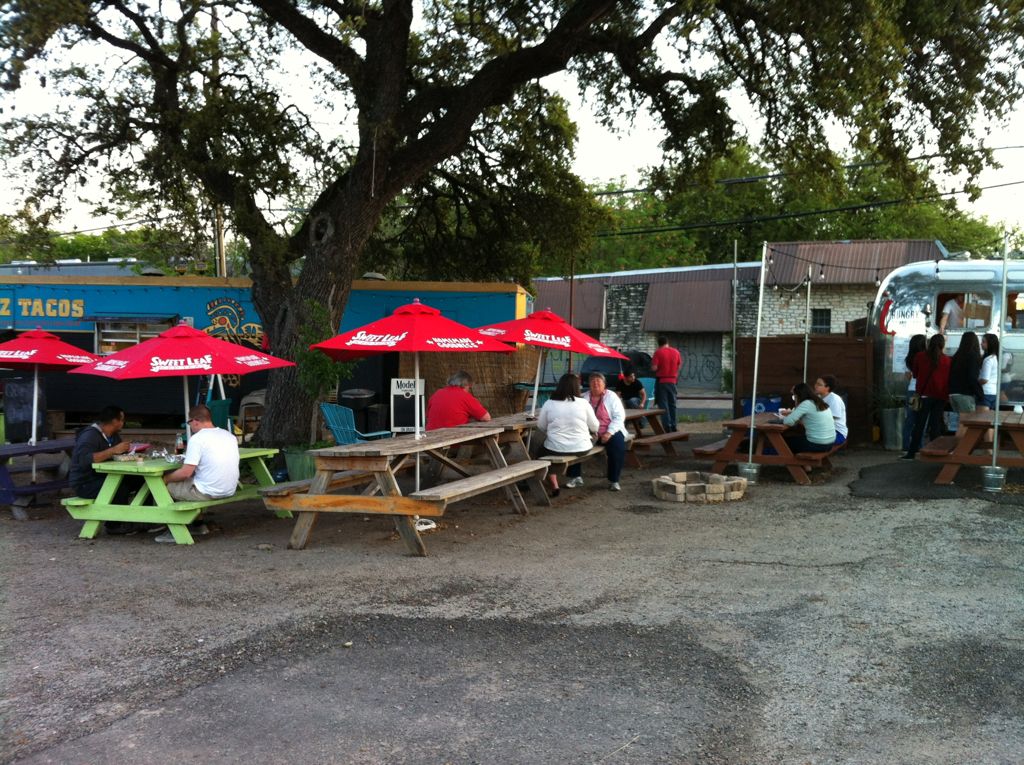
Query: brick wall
<point x="784" y="312"/>
<point x="624" y="313"/>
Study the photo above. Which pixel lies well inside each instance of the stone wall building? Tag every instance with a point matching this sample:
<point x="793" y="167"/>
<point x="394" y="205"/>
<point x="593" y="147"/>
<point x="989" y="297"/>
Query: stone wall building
<point x="694" y="306"/>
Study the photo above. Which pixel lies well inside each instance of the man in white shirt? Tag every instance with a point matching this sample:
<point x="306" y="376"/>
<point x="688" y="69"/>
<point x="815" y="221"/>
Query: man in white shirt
<point x="211" y="461"/>
<point x="952" y="314"/>
<point x="824" y="387"/>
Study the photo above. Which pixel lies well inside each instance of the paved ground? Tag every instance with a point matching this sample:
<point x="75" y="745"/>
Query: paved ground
<point x="869" y="617"/>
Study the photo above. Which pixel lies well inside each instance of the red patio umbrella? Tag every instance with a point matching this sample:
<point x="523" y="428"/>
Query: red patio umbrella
<point x="546" y="330"/>
<point x="181" y="352"/>
<point x="413" y="327"/>
<point x="40" y="350"/>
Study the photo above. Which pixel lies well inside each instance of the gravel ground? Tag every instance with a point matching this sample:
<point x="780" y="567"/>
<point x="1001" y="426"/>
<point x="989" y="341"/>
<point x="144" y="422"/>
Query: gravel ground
<point x="801" y="625"/>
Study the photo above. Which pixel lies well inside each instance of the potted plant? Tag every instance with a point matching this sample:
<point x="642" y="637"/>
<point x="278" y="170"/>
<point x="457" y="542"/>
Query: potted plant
<point x="889" y="413"/>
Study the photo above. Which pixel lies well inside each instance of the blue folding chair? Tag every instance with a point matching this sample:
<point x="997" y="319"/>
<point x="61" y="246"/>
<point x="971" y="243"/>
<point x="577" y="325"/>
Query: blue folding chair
<point x="342" y="424"/>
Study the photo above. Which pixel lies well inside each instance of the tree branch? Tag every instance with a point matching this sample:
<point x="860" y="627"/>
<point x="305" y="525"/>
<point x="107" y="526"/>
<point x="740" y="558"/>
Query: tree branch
<point x="314" y="38"/>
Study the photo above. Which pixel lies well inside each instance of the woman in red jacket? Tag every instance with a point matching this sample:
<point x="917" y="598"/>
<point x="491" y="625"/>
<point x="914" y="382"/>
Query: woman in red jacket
<point x="931" y="373"/>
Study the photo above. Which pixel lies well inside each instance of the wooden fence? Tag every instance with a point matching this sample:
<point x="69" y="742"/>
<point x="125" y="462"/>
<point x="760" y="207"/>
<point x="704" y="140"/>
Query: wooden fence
<point x="850" y="359"/>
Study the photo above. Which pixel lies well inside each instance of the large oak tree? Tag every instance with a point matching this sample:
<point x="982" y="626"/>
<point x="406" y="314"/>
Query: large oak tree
<point x="183" y="105"/>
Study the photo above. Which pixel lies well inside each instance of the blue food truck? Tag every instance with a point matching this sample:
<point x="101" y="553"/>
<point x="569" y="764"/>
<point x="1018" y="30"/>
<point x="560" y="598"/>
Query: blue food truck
<point x="104" y="307"/>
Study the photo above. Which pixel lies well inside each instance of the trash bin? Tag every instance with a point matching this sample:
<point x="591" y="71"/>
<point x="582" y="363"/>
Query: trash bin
<point x="892" y="429"/>
<point x="761" y="404"/>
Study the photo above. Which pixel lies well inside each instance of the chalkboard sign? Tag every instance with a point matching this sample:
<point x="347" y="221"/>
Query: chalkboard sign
<point x="18" y="411"/>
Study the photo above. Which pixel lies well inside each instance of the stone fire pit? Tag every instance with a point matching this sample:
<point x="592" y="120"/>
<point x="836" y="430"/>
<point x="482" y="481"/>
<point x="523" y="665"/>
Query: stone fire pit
<point x="693" y="486"/>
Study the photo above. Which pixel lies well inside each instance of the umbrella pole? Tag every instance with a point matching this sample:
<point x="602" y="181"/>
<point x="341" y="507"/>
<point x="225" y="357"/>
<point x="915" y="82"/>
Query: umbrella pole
<point x="536" y="382"/>
<point x="536" y="392"/>
<point x="416" y="409"/>
<point x="184" y="384"/>
<point x="35" y="414"/>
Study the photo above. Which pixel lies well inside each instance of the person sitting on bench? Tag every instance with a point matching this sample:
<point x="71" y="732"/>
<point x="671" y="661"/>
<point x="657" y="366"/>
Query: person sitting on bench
<point x="611" y="431"/>
<point x="567" y="421"/>
<point x="210" y="470"/>
<point x="632" y="391"/>
<point x="99" y="442"/>
<point x="825" y="387"/>
<point x="455" y="404"/>
<point x="814" y="414"/>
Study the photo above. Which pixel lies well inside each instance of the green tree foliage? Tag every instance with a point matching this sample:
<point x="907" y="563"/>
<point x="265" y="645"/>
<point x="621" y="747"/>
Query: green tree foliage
<point x="348" y="106"/>
<point x="153" y="246"/>
<point x="749" y="202"/>
<point x="506" y="207"/>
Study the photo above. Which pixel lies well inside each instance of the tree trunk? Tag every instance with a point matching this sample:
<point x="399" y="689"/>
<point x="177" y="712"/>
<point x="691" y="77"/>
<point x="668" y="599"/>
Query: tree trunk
<point x="331" y="258"/>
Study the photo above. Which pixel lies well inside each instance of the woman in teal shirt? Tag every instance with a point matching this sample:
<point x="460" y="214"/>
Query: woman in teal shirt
<point x="814" y="414"/>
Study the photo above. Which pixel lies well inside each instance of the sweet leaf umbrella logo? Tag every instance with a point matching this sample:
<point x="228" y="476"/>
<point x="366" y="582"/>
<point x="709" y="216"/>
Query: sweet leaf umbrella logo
<point x="181" y="352"/>
<point x="40" y="350"/>
<point x="546" y="330"/>
<point x="414" y="327"/>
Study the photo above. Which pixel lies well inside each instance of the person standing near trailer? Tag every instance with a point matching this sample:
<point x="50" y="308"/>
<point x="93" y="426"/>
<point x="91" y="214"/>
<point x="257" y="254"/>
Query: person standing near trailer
<point x="931" y="370"/>
<point x="952" y="314"/>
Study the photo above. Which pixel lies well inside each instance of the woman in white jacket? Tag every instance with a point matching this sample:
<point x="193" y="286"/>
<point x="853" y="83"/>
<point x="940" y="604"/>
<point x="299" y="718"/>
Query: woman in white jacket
<point x="568" y="422"/>
<point x="611" y="431"/>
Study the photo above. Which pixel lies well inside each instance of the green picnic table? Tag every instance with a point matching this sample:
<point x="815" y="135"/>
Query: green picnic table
<point x="153" y="504"/>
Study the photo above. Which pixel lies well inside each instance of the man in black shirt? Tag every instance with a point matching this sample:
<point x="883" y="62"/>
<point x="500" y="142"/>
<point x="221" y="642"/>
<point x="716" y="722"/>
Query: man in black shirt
<point x="99" y="442"/>
<point x="631" y="391"/>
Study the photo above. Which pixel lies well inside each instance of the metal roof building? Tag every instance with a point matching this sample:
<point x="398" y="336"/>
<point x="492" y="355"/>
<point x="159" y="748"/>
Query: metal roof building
<point x="699" y="298"/>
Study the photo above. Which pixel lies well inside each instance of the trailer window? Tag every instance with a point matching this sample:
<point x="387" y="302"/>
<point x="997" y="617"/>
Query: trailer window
<point x="1014" y="318"/>
<point x="958" y="311"/>
<point x="113" y="336"/>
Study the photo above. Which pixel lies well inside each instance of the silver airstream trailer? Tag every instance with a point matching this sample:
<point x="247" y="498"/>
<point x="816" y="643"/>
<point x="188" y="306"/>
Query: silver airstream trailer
<point x="951" y="296"/>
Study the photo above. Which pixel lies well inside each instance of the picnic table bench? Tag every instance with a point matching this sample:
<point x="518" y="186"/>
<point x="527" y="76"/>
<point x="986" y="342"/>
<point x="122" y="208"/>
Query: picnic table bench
<point x="953" y="452"/>
<point x="560" y="462"/>
<point x="636" y="419"/>
<point x="18" y="496"/>
<point x="377" y="462"/>
<point x="153" y="504"/>
<point x="768" y="431"/>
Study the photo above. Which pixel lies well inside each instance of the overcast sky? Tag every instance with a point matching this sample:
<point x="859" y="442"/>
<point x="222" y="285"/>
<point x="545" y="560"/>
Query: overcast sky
<point x="603" y="155"/>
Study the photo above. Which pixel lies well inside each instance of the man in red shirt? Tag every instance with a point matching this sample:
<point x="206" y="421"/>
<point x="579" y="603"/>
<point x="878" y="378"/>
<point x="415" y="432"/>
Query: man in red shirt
<point x="666" y="363"/>
<point x="454" y="404"/>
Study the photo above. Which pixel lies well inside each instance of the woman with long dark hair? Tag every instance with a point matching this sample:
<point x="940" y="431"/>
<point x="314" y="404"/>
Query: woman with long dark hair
<point x="964" y="389"/>
<point x="917" y="344"/>
<point x="931" y="371"/>
<point x="568" y="421"/>
<point x="989" y="370"/>
<point x="814" y="414"/>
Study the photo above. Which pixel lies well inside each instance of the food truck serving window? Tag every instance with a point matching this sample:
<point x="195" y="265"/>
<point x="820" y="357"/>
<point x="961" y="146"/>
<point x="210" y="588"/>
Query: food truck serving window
<point x="1013" y="317"/>
<point x="115" y="333"/>
<point x="959" y="311"/>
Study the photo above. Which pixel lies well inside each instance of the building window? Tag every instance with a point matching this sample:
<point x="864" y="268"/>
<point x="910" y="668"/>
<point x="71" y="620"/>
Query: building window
<point x="821" y="321"/>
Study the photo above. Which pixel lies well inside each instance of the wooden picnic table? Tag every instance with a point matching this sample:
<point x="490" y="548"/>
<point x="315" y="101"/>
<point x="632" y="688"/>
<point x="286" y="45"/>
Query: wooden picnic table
<point x="153" y="504"/>
<point x="636" y="419"/>
<point x="768" y="431"/>
<point x="513" y="426"/>
<point x="377" y="462"/>
<point x="18" y="496"/>
<point x="954" y="452"/>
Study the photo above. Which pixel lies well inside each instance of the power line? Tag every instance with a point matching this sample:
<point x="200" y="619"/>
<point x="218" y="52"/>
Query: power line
<point x="803" y="214"/>
<point x="785" y="174"/>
